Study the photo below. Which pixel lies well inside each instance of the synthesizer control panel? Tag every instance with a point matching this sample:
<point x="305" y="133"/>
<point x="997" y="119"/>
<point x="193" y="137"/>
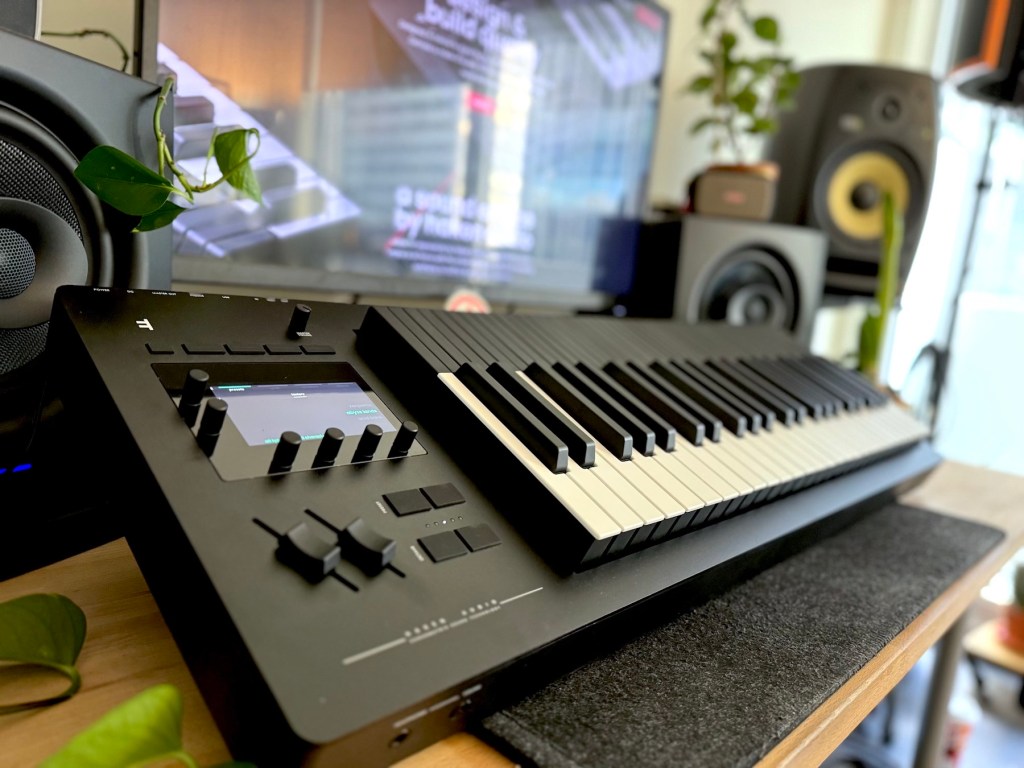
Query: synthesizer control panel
<point x="365" y="526"/>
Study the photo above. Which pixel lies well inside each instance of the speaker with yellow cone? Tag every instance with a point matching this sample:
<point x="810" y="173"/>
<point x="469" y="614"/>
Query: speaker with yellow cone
<point x="857" y="132"/>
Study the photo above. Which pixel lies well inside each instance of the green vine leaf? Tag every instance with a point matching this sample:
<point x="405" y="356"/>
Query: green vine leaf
<point x="709" y="14"/>
<point x="143" y="730"/>
<point x="121" y="181"/>
<point x="766" y="28"/>
<point x="231" y="151"/>
<point x="46" y="631"/>
<point x="700" y="84"/>
<point x="161" y="217"/>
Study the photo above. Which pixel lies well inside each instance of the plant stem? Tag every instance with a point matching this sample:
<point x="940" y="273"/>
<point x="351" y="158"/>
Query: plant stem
<point x="125" y="56"/>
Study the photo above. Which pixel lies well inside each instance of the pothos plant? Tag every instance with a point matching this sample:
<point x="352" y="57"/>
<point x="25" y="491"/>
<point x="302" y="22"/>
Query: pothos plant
<point x="745" y="77"/>
<point x="47" y="631"/>
<point x="124" y="183"/>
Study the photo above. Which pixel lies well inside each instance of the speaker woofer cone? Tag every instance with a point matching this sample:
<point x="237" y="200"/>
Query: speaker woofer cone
<point x="848" y="194"/>
<point x="751" y="286"/>
<point x="60" y="259"/>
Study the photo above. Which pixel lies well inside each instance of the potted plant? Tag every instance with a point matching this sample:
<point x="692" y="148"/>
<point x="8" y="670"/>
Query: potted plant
<point x="746" y="80"/>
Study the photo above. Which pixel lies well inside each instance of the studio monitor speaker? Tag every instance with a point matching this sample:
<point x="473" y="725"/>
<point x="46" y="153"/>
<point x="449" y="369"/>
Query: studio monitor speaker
<point x="856" y="132"/>
<point x="54" y="108"/>
<point x="701" y="268"/>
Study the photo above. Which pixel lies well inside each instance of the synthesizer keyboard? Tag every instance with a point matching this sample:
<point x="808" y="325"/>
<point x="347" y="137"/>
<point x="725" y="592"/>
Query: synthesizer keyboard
<point x="366" y="526"/>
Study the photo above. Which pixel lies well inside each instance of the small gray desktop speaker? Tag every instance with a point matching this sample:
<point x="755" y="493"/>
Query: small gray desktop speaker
<point x="54" y="108"/>
<point x="701" y="268"/>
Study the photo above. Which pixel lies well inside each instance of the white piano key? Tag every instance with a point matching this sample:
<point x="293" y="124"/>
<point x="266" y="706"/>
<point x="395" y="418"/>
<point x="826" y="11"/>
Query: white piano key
<point x="648" y="501"/>
<point x="589" y="514"/>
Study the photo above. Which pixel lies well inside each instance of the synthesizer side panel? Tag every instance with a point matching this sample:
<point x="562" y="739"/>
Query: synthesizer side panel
<point x="367" y="600"/>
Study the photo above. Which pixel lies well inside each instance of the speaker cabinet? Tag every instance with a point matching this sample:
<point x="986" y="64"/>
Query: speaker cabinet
<point x="701" y="268"/>
<point x="856" y="132"/>
<point x="21" y="16"/>
<point x="54" y="108"/>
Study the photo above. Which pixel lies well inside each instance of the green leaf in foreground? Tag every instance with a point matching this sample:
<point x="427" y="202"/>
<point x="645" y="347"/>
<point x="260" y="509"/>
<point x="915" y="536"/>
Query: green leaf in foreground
<point x="161" y="217"/>
<point x="121" y="181"/>
<point x="43" y="630"/>
<point x="231" y="151"/>
<point x="140" y="730"/>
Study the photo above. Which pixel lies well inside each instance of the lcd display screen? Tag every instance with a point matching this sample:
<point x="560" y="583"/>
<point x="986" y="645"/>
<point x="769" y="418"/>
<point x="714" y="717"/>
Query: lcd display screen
<point x="261" y="412"/>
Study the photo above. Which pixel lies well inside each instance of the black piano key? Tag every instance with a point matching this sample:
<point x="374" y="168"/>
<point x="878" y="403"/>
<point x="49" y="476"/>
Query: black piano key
<point x="487" y="333"/>
<point x="833" y="404"/>
<point x="664" y="433"/>
<point x="643" y="435"/>
<point x="788" y="409"/>
<point x="581" y="446"/>
<point x="589" y="414"/>
<point x="430" y="322"/>
<point x="450" y="322"/>
<point x="540" y="440"/>
<point x="712" y="424"/>
<point x="411" y="335"/>
<point x="852" y="401"/>
<point x="734" y="421"/>
<point x="724" y="393"/>
<point x="815" y="407"/>
<point x="685" y="423"/>
<point x="762" y="409"/>
<point x="853" y="380"/>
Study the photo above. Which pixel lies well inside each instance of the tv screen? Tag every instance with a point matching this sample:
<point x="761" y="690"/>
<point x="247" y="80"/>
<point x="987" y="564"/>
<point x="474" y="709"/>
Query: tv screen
<point x="413" y="146"/>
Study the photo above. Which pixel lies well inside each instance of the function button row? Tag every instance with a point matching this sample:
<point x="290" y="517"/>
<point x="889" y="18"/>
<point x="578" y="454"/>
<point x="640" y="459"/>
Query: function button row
<point x="448" y="545"/>
<point x="156" y="348"/>
<point x="424" y="499"/>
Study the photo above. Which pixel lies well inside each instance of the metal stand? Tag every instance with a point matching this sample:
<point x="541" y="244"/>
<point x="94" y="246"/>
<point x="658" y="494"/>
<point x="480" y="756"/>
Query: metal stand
<point x="949" y="651"/>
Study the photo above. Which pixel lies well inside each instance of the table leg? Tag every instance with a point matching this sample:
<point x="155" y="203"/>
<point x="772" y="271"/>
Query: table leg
<point x="949" y="651"/>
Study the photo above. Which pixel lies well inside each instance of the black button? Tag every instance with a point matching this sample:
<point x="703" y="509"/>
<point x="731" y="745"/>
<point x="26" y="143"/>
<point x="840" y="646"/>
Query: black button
<point x="244" y="349"/>
<point x="308" y="554"/>
<point x="443" y="495"/>
<point x="318" y="349"/>
<point x="364" y="547"/>
<point x="203" y="349"/>
<point x="478" y="537"/>
<point x="282" y="349"/>
<point x="159" y="349"/>
<point x="407" y="502"/>
<point x="443" y="546"/>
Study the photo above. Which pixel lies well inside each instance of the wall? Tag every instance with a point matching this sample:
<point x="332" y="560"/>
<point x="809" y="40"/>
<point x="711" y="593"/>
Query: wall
<point x="114" y="16"/>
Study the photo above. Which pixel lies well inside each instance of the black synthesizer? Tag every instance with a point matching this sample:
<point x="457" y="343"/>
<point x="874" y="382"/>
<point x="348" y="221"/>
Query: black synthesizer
<point x="366" y="526"/>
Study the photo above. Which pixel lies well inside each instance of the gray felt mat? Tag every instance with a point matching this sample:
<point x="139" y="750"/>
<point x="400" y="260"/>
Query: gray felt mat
<point x="720" y="686"/>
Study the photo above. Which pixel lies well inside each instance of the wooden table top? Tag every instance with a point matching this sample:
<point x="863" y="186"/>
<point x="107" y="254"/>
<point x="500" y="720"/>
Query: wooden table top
<point x="129" y="648"/>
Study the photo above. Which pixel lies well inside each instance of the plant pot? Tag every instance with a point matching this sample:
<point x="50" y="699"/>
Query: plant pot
<point x="1011" y="628"/>
<point x="737" y="191"/>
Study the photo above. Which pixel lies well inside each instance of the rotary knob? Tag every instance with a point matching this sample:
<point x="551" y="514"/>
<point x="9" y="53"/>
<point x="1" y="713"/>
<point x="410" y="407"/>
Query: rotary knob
<point x="404" y="440"/>
<point x="330" y="444"/>
<point x="368" y="443"/>
<point x="210" y="426"/>
<point x="286" y="451"/>
<point x="300" y="318"/>
<point x="192" y="394"/>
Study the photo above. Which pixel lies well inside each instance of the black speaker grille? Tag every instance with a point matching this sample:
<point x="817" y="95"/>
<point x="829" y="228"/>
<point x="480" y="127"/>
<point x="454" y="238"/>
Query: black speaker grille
<point x="23" y="177"/>
<point x="20" y="346"/>
<point x="17" y="264"/>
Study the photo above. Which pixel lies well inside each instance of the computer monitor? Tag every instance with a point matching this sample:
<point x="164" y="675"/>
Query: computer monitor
<point x="410" y="147"/>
